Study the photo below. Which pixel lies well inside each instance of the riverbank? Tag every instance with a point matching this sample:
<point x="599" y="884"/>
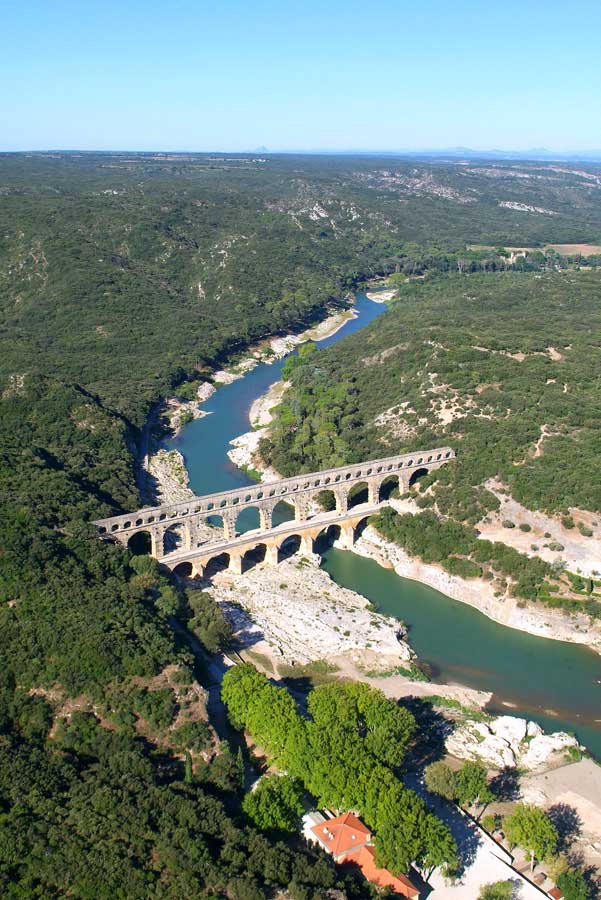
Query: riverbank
<point x="295" y="615"/>
<point x="245" y="448"/>
<point x="381" y="295"/>
<point x="164" y="477"/>
<point x="539" y="621"/>
<point x="272" y="349"/>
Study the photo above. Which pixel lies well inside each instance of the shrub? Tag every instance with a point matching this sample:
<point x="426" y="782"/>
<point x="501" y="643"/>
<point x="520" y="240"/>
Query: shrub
<point x="490" y="823"/>
<point x="507" y="523"/>
<point x="499" y="890"/>
<point x="157" y="707"/>
<point x="525" y="527"/>
<point x="442" y="780"/>
<point x="574" y="886"/>
<point x="465" y="568"/>
<point x="192" y="736"/>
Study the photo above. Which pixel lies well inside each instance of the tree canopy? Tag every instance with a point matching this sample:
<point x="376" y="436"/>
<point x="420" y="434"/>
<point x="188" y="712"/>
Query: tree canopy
<point x="346" y="755"/>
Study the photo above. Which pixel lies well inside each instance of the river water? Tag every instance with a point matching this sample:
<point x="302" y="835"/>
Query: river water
<point x="554" y="683"/>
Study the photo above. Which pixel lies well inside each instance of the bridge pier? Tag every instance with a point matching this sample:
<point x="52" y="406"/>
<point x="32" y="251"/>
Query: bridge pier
<point x="306" y="545"/>
<point x="265" y="517"/>
<point x="235" y="565"/>
<point x="373" y="489"/>
<point x="229" y="525"/>
<point x="198" y="569"/>
<point x="341" y="501"/>
<point x="347" y="537"/>
<point x="301" y="509"/>
<point x="272" y="555"/>
<point x="156" y="541"/>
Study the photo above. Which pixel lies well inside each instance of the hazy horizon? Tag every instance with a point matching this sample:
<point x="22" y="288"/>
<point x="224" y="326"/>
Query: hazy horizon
<point x="515" y="153"/>
<point x="337" y="77"/>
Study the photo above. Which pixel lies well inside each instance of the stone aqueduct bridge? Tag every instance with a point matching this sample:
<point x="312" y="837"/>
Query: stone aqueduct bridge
<point x="189" y="517"/>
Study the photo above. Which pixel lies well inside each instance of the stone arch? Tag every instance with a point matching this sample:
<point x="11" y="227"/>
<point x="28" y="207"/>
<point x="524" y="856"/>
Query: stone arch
<point x="326" y="500"/>
<point x="254" y="556"/>
<point x="388" y="486"/>
<point x="140" y="543"/>
<point x="359" y="493"/>
<point x="326" y="538"/>
<point x="289" y="546"/>
<point x="174" y="538"/>
<point x="248" y="519"/>
<point x="360" y="527"/>
<point x="216" y="521"/>
<point x="218" y="563"/>
<point x="283" y="511"/>
<point x="184" y="570"/>
<point x="416" y="475"/>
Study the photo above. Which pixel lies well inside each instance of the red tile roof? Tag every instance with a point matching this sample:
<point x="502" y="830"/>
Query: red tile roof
<point x="342" y="834"/>
<point x="555" y="893"/>
<point x="365" y="857"/>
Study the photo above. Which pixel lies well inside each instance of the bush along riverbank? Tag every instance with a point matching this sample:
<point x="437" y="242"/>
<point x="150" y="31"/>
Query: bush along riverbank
<point x="511" y="588"/>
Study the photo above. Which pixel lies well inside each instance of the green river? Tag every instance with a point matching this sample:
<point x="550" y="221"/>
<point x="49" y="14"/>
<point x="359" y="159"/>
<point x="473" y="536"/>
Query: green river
<point x="554" y="683"/>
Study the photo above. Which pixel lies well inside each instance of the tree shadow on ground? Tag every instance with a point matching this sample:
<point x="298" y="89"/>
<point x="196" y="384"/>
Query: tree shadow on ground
<point x="298" y="685"/>
<point x="463" y="829"/>
<point x="568" y="824"/>
<point x="506" y="785"/>
<point x="431" y="732"/>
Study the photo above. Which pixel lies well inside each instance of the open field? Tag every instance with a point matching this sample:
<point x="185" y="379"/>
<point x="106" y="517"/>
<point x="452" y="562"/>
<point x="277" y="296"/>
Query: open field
<point x="575" y="249"/>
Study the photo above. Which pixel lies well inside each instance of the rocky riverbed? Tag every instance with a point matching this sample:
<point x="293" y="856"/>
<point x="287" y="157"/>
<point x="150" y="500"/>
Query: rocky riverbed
<point x="295" y="615"/>
<point x="245" y="448"/>
<point x="167" y="477"/>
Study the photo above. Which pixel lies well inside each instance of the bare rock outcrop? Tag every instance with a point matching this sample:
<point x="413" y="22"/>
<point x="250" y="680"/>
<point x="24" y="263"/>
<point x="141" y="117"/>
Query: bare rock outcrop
<point x="508" y="741"/>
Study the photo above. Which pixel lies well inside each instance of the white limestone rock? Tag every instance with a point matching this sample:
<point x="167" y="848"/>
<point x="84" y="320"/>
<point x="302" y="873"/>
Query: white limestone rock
<point x="534" y="730"/>
<point x="508" y="741"/>
<point x="544" y="746"/>
<point x="297" y="612"/>
<point x="476" y="740"/>
<point x="511" y="729"/>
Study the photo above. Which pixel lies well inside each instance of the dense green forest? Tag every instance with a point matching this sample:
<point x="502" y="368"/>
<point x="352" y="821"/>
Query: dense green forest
<point x="485" y="364"/>
<point x="506" y="369"/>
<point x="121" y="276"/>
<point x="123" y="272"/>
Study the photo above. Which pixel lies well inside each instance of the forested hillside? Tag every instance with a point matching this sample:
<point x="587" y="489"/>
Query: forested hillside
<point x="121" y="275"/>
<point x="118" y="272"/>
<point x="505" y="368"/>
<point x="487" y="364"/>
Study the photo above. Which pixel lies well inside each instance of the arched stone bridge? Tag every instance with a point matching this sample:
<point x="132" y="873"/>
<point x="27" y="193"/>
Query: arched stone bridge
<point x="188" y="517"/>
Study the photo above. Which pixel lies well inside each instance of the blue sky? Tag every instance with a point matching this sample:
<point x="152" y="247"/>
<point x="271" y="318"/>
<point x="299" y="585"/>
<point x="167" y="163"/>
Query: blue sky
<point x="235" y="75"/>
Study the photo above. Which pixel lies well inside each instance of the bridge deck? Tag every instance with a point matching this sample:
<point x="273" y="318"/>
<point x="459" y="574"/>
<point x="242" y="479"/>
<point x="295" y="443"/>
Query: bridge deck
<point x="252" y="538"/>
<point x="263" y="494"/>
